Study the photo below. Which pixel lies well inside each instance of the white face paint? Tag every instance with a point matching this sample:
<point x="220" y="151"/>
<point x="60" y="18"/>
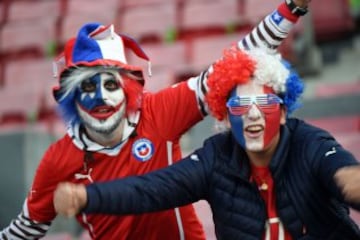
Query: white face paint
<point x="101" y="102"/>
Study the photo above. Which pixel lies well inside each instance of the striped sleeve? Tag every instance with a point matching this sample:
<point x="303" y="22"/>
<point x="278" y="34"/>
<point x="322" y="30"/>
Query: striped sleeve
<point x="24" y="228"/>
<point x="270" y="32"/>
<point x="199" y="86"/>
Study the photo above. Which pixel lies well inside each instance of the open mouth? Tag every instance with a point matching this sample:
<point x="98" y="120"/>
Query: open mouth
<point x="102" y="112"/>
<point x="254" y="131"/>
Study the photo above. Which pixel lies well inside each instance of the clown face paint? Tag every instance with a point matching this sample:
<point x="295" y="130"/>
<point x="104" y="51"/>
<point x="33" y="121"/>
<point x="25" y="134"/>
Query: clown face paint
<point x="100" y="101"/>
<point x="255" y="116"/>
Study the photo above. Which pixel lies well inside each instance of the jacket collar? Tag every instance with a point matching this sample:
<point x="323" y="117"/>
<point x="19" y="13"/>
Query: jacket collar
<point x="237" y="162"/>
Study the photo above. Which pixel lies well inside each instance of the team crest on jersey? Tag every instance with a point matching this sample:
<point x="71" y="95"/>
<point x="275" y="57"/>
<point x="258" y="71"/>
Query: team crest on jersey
<point x="143" y="149"/>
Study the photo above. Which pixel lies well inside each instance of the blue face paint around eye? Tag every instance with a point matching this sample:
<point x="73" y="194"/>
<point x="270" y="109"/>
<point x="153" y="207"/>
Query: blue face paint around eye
<point x="90" y="100"/>
<point x="237" y="124"/>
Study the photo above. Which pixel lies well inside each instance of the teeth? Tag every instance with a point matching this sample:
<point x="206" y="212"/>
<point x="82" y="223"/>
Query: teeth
<point x="254" y="128"/>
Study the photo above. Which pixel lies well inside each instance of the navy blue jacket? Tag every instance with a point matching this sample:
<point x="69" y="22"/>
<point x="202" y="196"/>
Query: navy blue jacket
<point x="309" y="203"/>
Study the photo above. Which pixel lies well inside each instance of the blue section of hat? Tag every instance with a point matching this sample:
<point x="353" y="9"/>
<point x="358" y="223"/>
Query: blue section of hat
<point x="86" y="48"/>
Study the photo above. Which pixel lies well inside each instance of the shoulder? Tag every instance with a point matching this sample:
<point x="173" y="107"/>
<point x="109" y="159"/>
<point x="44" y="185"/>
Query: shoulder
<point x="218" y="143"/>
<point x="310" y="141"/>
<point x="305" y="132"/>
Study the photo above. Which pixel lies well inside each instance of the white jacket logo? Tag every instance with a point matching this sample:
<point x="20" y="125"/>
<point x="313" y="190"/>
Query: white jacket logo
<point x="332" y="151"/>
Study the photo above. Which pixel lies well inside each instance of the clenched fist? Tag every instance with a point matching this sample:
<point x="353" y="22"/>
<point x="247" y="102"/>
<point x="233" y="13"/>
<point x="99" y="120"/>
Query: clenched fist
<point x="69" y="199"/>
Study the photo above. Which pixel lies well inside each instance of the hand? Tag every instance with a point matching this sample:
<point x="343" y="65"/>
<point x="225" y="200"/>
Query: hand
<point x="69" y="199"/>
<point x="302" y="3"/>
<point x="348" y="178"/>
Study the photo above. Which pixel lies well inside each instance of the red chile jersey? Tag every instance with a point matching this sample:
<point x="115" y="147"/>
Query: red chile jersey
<point x="153" y="144"/>
<point x="151" y="141"/>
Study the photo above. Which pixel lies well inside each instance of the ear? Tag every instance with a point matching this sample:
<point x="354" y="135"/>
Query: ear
<point x="283" y="113"/>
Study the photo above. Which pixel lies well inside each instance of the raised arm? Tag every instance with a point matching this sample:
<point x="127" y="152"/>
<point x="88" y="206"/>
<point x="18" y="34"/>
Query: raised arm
<point x="268" y="34"/>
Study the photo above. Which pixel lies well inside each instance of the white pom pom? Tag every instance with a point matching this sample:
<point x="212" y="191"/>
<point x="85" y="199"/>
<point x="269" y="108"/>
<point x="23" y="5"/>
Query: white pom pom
<point x="269" y="70"/>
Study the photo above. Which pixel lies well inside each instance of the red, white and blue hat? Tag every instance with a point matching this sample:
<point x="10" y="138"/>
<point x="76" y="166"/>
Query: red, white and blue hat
<point x="99" y="45"/>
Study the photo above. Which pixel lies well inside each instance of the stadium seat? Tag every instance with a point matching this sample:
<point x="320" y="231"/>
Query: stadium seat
<point x="3" y="12"/>
<point x="18" y="105"/>
<point x="350" y="141"/>
<point x="79" y="12"/>
<point x="160" y="79"/>
<point x="24" y="73"/>
<point x="338" y="124"/>
<point x="18" y="38"/>
<point x="337" y="89"/>
<point x="138" y="3"/>
<point x="148" y="22"/>
<point x="171" y="56"/>
<point x="254" y="11"/>
<point x="209" y="16"/>
<point x="205" y="50"/>
<point x="33" y="10"/>
<point x="333" y="21"/>
<point x="28" y="83"/>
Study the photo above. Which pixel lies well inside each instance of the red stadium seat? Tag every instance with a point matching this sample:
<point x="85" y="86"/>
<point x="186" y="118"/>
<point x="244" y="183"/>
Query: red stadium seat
<point x="336" y="89"/>
<point x="33" y="10"/>
<point x="333" y="21"/>
<point x="30" y="82"/>
<point x="209" y="16"/>
<point x="27" y="37"/>
<point x="255" y="10"/>
<point x="18" y="105"/>
<point x="79" y="12"/>
<point x="350" y="141"/>
<point x="160" y="79"/>
<point x="148" y="22"/>
<point x="206" y="50"/>
<point x="338" y="124"/>
<point x="138" y="3"/>
<point x="3" y="11"/>
<point x="171" y="56"/>
<point x="24" y="73"/>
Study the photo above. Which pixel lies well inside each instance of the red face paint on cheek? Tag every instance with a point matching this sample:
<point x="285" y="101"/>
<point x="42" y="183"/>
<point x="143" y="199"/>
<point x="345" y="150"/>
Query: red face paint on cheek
<point x="272" y="121"/>
<point x="272" y="126"/>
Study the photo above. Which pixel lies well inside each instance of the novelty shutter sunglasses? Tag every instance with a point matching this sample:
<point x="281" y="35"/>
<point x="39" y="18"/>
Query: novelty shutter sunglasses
<point x="240" y="105"/>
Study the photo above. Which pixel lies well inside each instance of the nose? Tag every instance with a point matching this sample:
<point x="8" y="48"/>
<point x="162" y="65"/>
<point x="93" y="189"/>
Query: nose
<point x="254" y="112"/>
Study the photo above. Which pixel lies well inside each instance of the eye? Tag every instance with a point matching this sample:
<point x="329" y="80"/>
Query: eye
<point x="111" y="84"/>
<point x="88" y="86"/>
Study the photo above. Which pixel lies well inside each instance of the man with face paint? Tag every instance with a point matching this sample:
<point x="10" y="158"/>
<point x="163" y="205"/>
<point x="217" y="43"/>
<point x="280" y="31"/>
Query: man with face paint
<point x="269" y="176"/>
<point x="116" y="129"/>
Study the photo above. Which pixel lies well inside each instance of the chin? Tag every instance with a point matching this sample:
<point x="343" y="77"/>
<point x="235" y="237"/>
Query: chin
<point x="105" y="126"/>
<point x="255" y="147"/>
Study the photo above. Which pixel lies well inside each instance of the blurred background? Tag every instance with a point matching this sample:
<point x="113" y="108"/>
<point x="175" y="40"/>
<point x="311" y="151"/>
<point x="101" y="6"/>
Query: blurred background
<point x="181" y="37"/>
